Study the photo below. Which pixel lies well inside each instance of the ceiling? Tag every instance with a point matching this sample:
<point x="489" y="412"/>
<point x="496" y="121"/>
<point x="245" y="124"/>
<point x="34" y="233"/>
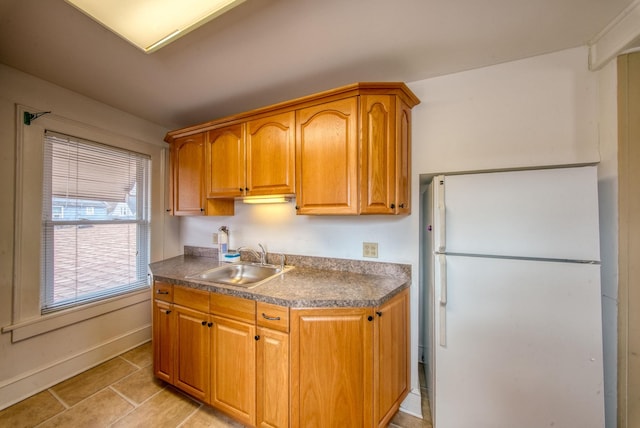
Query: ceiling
<point x="267" y="51"/>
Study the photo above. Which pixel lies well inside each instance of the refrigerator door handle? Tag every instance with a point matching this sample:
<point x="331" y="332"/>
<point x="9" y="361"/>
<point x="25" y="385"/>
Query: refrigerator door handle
<point x="442" y="279"/>
<point x="440" y="215"/>
<point x="442" y="260"/>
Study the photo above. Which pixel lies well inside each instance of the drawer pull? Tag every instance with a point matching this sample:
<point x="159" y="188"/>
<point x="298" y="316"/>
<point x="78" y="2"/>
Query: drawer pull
<point x="162" y="292"/>
<point x="267" y="317"/>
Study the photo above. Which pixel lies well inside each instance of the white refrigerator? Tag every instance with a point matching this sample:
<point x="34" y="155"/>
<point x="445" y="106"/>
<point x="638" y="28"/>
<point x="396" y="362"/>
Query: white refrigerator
<point x="514" y="300"/>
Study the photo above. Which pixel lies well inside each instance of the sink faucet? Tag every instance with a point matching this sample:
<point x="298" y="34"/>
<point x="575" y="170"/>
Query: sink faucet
<point x="262" y="256"/>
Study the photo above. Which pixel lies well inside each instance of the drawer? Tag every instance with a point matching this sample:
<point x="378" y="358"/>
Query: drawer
<point x="162" y="291"/>
<point x="233" y="307"/>
<point x="191" y="298"/>
<point x="272" y="316"/>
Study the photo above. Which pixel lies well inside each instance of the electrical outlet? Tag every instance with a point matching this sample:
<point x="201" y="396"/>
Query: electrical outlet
<point x="214" y="239"/>
<point x="370" y="249"/>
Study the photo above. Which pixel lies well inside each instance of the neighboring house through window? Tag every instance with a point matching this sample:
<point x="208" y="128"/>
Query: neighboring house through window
<point x="95" y="218"/>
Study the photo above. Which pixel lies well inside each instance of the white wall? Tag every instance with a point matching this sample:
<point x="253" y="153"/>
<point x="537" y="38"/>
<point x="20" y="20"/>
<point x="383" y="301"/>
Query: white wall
<point x="33" y="364"/>
<point x="532" y="112"/>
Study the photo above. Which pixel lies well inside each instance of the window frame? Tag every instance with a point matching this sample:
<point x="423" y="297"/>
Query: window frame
<point x="26" y="318"/>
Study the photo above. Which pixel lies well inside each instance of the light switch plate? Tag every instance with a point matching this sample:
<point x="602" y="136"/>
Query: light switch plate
<point x="370" y="249"/>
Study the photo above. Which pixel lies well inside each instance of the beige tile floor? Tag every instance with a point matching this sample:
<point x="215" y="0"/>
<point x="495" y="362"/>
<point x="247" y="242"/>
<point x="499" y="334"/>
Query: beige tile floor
<point x="123" y="392"/>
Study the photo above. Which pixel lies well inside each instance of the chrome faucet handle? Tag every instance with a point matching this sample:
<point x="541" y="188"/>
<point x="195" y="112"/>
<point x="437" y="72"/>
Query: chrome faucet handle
<point x="251" y="251"/>
<point x="263" y="254"/>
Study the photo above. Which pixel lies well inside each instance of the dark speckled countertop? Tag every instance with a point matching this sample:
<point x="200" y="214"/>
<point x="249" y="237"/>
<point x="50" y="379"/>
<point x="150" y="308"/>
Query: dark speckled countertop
<point x="315" y="281"/>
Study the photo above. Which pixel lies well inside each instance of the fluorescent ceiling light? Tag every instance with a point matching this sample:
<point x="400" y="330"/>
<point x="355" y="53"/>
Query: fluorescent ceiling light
<point x="151" y="24"/>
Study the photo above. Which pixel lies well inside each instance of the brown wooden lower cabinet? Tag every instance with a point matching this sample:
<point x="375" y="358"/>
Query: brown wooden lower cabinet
<point x="272" y="378"/>
<point x="391" y="374"/>
<point x="192" y="352"/>
<point x="331" y="367"/>
<point x="268" y="366"/>
<point x="163" y="340"/>
<point x="233" y="369"/>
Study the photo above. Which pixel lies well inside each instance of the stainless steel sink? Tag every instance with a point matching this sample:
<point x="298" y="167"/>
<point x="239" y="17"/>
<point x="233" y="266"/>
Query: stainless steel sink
<point x="247" y="275"/>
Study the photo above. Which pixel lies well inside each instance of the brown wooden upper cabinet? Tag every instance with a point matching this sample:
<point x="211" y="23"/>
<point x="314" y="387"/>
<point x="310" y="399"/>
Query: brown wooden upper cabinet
<point x="354" y="156"/>
<point x="187" y="173"/>
<point x="345" y="151"/>
<point x="386" y="155"/>
<point x="225" y="162"/>
<point x="271" y="155"/>
<point x="187" y="165"/>
<point x="253" y="158"/>
<point x="327" y="158"/>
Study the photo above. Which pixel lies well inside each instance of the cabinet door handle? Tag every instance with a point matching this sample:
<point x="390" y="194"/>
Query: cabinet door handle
<point x="201" y="209"/>
<point x="370" y="318"/>
<point x="162" y="292"/>
<point x="256" y="337"/>
<point x="240" y="189"/>
<point x="267" y="317"/>
<point x="209" y="324"/>
<point x="378" y="313"/>
<point x="401" y="205"/>
<point x="167" y="312"/>
<point x="393" y="206"/>
<point x="204" y="323"/>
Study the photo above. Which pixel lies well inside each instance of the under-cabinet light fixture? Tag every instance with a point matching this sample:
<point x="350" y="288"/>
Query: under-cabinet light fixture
<point x="151" y="25"/>
<point x="266" y="199"/>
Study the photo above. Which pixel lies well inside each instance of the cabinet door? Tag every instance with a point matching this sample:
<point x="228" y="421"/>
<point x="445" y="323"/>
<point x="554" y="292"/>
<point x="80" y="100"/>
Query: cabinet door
<point x="271" y="155"/>
<point x="331" y="367"/>
<point x="187" y="165"/>
<point x="403" y="159"/>
<point x="378" y="169"/>
<point x="163" y="340"/>
<point x="391" y="357"/>
<point x="327" y="158"/>
<point x="272" y="378"/>
<point x="192" y="352"/>
<point x="225" y="174"/>
<point x="233" y="369"/>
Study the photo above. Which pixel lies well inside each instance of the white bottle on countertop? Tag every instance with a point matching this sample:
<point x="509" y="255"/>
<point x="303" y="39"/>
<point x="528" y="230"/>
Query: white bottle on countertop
<point x="223" y="241"/>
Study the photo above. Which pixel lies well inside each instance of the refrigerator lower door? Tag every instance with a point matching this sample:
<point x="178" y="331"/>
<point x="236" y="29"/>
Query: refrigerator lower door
<point x="523" y="345"/>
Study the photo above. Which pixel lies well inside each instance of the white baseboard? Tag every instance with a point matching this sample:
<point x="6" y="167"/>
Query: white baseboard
<point x="27" y="384"/>
<point x="413" y="403"/>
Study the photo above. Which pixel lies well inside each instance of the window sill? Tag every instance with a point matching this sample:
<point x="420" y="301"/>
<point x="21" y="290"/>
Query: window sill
<point x="45" y="323"/>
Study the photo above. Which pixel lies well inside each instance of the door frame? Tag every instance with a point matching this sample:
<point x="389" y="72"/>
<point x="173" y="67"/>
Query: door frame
<point x="628" y="66"/>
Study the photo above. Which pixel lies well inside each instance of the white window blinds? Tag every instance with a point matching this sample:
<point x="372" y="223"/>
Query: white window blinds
<point x="95" y="221"/>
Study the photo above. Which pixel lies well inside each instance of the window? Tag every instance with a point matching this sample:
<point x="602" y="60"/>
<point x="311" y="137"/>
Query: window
<point x="95" y="221"/>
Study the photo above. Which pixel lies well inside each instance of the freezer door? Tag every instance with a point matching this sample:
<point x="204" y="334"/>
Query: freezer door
<point x="550" y="213"/>
<point x="523" y="345"/>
